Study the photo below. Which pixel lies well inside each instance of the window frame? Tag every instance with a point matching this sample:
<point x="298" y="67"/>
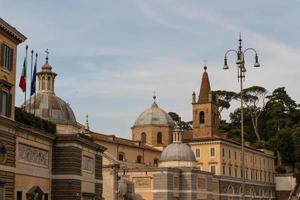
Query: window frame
<point x="210" y="152"/>
<point x="202" y="117"/>
<point x="7" y="111"/>
<point x="198" y="153"/>
<point x="6" y="57"/>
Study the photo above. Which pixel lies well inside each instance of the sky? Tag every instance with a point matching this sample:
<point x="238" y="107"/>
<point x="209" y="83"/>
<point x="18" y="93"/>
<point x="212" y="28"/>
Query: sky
<point x="111" y="55"/>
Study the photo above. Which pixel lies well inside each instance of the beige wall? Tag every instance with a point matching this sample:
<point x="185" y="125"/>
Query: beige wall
<point x="9" y="76"/>
<point x="254" y="160"/>
<point x="151" y="132"/>
<point x="131" y="153"/>
<point x="209" y="127"/>
<point x="29" y="174"/>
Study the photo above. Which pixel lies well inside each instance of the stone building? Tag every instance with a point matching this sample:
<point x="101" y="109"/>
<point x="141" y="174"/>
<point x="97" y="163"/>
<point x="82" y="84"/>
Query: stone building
<point x="37" y="164"/>
<point x="213" y="153"/>
<point x="154" y="127"/>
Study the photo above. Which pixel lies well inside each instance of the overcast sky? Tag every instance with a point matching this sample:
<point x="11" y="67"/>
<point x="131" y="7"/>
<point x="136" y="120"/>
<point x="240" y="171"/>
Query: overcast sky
<point x="111" y="55"/>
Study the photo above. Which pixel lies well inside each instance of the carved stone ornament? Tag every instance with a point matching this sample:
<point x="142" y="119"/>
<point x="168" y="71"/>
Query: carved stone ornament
<point x="87" y="163"/>
<point x="142" y="182"/>
<point x="33" y="155"/>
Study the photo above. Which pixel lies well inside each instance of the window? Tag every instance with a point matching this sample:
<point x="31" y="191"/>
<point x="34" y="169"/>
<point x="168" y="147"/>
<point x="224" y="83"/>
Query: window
<point x="143" y="137"/>
<point x="201" y="117"/>
<point x="197" y="153"/>
<point x="121" y="156"/>
<point x="176" y="182"/>
<point x="235" y="172"/>
<point x="212" y="152"/>
<point x="229" y="153"/>
<point x="155" y="161"/>
<point x="1" y="191"/>
<point x="229" y="170"/>
<point x="139" y="159"/>
<point x="45" y="196"/>
<point x="213" y="169"/>
<point x="159" y="138"/>
<point x="235" y="155"/>
<point x="19" y="195"/>
<point x="224" y="170"/>
<point x="7" y="57"/>
<point x="5" y="103"/>
<point x="223" y="152"/>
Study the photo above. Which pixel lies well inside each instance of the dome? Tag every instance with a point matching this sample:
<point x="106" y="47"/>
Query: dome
<point x="50" y="107"/>
<point x="154" y="116"/>
<point x="177" y="152"/>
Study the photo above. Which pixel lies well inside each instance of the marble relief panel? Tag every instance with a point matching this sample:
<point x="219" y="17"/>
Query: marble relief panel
<point x="33" y="155"/>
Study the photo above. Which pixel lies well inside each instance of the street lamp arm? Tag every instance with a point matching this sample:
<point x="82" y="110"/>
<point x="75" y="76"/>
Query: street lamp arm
<point x="230" y="50"/>
<point x="248" y="49"/>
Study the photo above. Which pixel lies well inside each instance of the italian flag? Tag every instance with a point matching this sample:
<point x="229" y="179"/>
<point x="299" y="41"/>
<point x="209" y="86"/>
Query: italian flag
<point x="22" y="83"/>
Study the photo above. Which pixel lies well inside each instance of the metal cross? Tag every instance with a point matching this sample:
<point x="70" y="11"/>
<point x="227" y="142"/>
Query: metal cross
<point x="47" y="53"/>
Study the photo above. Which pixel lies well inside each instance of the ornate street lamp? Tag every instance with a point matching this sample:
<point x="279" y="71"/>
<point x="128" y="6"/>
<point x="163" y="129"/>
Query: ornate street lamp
<point x="241" y="77"/>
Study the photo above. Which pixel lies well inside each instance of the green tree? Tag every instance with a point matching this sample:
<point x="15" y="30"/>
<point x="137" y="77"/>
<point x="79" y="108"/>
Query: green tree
<point x="252" y="96"/>
<point x="280" y="112"/>
<point x="223" y="99"/>
<point x="185" y="126"/>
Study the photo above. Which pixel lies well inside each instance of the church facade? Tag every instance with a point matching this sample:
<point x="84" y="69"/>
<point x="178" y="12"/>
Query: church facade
<point x="36" y="164"/>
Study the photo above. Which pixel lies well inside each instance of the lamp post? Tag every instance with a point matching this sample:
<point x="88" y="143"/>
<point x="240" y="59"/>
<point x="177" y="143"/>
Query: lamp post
<point x="240" y="53"/>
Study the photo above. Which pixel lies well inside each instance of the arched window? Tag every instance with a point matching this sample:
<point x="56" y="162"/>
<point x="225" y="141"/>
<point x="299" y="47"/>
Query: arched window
<point x="143" y="137"/>
<point x="155" y="162"/>
<point x="139" y="159"/>
<point x="159" y="138"/>
<point x="202" y="117"/>
<point x="121" y="156"/>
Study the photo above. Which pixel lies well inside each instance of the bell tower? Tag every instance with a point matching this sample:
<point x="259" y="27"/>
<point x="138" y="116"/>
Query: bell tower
<point x="205" y="115"/>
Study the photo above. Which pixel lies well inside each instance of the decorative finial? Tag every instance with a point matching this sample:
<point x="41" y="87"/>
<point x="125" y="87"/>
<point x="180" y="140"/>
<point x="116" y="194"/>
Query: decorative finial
<point x="87" y="127"/>
<point x="47" y="53"/>
<point x="240" y="40"/>
<point x="154" y="96"/>
<point x="205" y="62"/>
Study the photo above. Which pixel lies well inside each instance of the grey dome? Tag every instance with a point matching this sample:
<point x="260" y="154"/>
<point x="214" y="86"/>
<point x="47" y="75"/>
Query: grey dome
<point x="50" y="107"/>
<point x="154" y="116"/>
<point x="177" y="152"/>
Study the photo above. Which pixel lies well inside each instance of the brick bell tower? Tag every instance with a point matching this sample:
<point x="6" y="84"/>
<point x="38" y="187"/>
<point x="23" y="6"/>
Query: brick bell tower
<point x="205" y="111"/>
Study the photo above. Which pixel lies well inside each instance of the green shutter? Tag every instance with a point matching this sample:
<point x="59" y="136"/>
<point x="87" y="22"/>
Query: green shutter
<point x="0" y="101"/>
<point x="2" y="55"/>
<point x="11" y="58"/>
<point x="8" y="105"/>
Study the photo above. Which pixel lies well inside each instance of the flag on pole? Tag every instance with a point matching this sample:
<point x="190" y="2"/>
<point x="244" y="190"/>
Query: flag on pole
<point x="22" y="83"/>
<point x="33" y="80"/>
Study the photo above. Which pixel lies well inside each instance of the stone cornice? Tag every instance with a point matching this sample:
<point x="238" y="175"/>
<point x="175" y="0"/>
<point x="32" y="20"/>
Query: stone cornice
<point x="11" y="32"/>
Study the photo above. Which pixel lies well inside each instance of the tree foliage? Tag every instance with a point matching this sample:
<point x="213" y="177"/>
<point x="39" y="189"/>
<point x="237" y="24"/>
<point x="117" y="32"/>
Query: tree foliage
<point x="185" y="126"/>
<point x="223" y="99"/>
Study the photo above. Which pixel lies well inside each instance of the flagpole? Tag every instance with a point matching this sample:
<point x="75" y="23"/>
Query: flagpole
<point x="30" y="79"/>
<point x="36" y="55"/>
<point x="25" y="73"/>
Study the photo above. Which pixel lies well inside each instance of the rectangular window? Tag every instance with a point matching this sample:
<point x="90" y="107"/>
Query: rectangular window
<point x="45" y="196"/>
<point x="212" y="152"/>
<point x="1" y="191"/>
<point x="5" y="103"/>
<point x="7" y="55"/>
<point x="223" y="152"/>
<point x="224" y="170"/>
<point x="235" y="171"/>
<point x="229" y="153"/>
<point x="235" y="155"/>
<point x="229" y="170"/>
<point x="213" y="169"/>
<point x="198" y="153"/>
<point x="19" y="195"/>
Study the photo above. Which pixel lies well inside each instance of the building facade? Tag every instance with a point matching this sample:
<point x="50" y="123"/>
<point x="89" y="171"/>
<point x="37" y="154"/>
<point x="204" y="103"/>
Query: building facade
<point x="36" y="164"/>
